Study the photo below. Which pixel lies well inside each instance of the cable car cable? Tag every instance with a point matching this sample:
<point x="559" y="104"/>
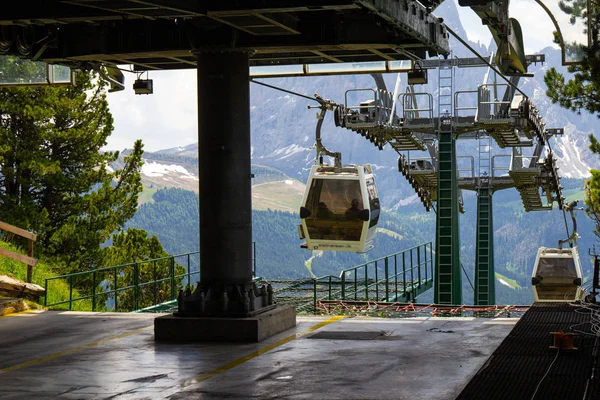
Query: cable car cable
<point x="461" y="264"/>
<point x="489" y="64"/>
<point x="284" y="90"/>
<point x="469" y="279"/>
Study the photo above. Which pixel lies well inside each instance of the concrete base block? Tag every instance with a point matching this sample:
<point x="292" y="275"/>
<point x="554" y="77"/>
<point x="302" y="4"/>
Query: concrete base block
<point x="213" y="329"/>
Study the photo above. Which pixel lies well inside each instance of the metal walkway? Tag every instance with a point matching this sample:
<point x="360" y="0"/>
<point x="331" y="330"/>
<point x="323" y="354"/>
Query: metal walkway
<point x="524" y="357"/>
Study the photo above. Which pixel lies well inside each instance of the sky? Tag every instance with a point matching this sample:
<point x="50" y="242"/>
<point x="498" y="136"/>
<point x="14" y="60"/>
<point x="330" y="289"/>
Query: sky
<point x="168" y="118"/>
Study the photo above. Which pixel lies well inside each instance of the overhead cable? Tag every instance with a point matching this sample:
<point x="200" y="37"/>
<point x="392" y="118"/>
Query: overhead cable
<point x="284" y="90"/>
<point x="485" y="61"/>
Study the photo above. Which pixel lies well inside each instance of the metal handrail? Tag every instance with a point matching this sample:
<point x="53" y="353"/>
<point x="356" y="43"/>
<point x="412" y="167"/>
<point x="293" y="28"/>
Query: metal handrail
<point x="457" y="108"/>
<point x="359" y="90"/>
<point x="471" y="170"/>
<point x="494" y="168"/>
<point x="413" y="279"/>
<point x="116" y="274"/>
<point x="409" y="113"/>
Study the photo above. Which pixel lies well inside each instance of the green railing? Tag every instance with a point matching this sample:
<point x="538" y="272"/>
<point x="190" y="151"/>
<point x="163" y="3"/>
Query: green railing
<point x="130" y="287"/>
<point x="127" y="287"/>
<point x="399" y="277"/>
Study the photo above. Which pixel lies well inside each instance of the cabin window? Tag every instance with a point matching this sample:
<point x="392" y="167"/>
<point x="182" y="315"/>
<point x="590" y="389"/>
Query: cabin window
<point x="334" y="204"/>
<point x="373" y="202"/>
<point x="556" y="276"/>
<point x="557" y="269"/>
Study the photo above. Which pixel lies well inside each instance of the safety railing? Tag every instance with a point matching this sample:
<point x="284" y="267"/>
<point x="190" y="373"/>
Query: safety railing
<point x="127" y="287"/>
<point x="373" y="112"/>
<point x="413" y="114"/>
<point x="497" y="171"/>
<point x="465" y="108"/>
<point x="465" y="172"/>
<point x="398" y="277"/>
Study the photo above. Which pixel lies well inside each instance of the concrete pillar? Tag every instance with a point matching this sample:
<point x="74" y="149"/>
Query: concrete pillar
<point x="224" y="168"/>
<point x="227" y="305"/>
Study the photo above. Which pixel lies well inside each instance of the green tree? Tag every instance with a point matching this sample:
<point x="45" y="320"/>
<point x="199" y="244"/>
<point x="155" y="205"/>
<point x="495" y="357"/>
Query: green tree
<point x="18" y="70"/>
<point x="138" y="254"/>
<point x="54" y="178"/>
<point x="582" y="90"/>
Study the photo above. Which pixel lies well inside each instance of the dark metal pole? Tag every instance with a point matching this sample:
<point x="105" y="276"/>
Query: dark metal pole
<point x="226" y="287"/>
<point x="224" y="168"/>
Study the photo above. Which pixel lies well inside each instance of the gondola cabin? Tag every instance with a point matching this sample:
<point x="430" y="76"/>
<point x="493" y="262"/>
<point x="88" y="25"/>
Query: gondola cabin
<point x="340" y="209"/>
<point x="557" y="275"/>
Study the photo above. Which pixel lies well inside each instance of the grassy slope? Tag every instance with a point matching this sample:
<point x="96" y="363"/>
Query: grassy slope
<point x="278" y="195"/>
<point x="59" y="289"/>
<point x="513" y="284"/>
<point x="146" y="195"/>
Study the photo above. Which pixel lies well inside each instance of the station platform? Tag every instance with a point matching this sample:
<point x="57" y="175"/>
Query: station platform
<point x="74" y="355"/>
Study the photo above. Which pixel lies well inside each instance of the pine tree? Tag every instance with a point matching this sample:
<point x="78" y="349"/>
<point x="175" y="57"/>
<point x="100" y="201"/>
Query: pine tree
<point x="582" y="91"/>
<point x="131" y="249"/>
<point x="54" y="177"/>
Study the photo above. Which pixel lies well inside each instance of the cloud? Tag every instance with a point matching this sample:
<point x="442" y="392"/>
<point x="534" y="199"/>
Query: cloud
<point x="167" y="118"/>
<point x="535" y="23"/>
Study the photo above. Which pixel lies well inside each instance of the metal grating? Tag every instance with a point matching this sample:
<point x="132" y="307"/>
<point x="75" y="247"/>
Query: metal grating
<point x="519" y="363"/>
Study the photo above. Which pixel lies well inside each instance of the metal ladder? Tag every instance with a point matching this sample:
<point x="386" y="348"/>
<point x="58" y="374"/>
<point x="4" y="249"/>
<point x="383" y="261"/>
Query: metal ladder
<point x="485" y="159"/>
<point x="484" y="248"/>
<point x="445" y="87"/>
<point x="484" y="260"/>
<point x="448" y="286"/>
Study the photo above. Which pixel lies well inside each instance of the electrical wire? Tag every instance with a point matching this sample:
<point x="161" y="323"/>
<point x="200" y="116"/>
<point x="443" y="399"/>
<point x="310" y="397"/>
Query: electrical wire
<point x="546" y="374"/>
<point x="594" y="365"/>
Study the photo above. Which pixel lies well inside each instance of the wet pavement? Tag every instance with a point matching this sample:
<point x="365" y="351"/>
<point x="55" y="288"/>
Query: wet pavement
<point x="72" y="355"/>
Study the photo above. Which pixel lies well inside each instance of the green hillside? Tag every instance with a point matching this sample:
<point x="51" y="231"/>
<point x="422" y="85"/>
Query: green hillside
<point x="59" y="288"/>
<point x="284" y="195"/>
<point x="173" y="217"/>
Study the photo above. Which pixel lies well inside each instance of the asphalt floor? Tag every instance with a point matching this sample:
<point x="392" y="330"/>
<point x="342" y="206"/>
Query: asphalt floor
<point x="76" y="355"/>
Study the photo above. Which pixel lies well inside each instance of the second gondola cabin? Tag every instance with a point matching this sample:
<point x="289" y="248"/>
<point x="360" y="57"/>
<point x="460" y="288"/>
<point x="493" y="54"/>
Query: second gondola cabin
<point x="557" y="275"/>
<point x="340" y="209"/>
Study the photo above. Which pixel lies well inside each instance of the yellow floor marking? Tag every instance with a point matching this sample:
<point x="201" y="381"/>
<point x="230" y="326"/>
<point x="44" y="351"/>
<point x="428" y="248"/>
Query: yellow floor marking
<point x="73" y="350"/>
<point x="19" y="314"/>
<point x="259" y="352"/>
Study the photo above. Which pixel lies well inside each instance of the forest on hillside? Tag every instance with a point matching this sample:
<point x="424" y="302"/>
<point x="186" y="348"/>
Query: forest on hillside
<point x="173" y="218"/>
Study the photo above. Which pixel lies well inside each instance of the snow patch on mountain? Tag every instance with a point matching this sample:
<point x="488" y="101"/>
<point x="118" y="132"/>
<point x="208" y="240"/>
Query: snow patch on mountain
<point x="571" y="164"/>
<point x="154" y="169"/>
<point x="409" y="200"/>
<point x="502" y="281"/>
<point x="570" y="149"/>
<point x="289" y="151"/>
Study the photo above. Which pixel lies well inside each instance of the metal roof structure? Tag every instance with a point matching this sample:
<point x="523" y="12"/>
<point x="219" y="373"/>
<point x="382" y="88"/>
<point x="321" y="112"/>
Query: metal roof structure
<point x="161" y="34"/>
